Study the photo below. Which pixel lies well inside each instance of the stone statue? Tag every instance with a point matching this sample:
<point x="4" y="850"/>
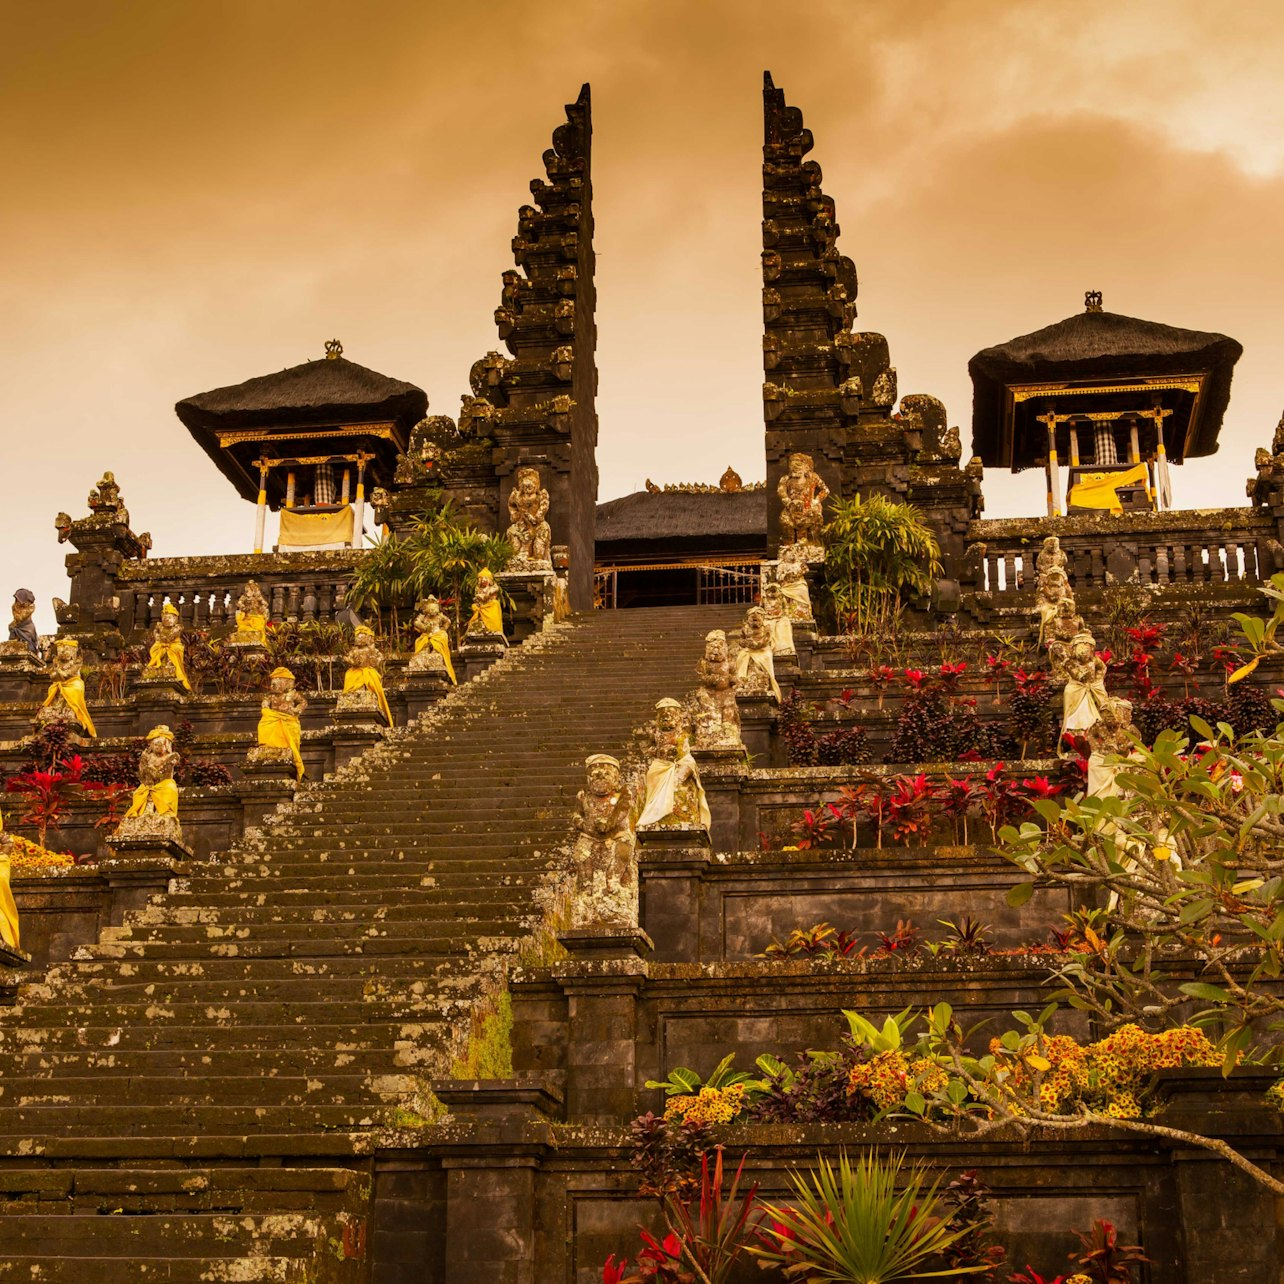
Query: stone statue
<point x="674" y="794"/>
<point x="1062" y="629"/>
<point x="1051" y="556"/>
<point x="22" y="628"/>
<point x="1112" y="733"/>
<point x="486" y="617"/>
<point x="104" y="500"/>
<point x="603" y="855"/>
<point x="755" y="668"/>
<point x="718" y="722"/>
<point x="1085" y="690"/>
<point x="362" y="683"/>
<point x="432" y="646"/>
<point x="251" y="617"/>
<point x="1053" y="589"/>
<point x="65" y="701"/>
<point x="791" y="575"/>
<point x="280" y="735"/>
<point x="802" y="499"/>
<point x="778" y="621"/>
<point x="153" y="813"/>
<point x="165" y="659"/>
<point x="529" y="533"/>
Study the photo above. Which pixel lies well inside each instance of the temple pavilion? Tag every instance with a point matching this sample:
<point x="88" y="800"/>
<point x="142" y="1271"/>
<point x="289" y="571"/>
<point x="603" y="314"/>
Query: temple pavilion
<point x="308" y="442"/>
<point x="1115" y="398"/>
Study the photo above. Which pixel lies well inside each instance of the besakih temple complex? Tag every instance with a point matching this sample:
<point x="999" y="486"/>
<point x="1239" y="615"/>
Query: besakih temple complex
<point x="368" y="983"/>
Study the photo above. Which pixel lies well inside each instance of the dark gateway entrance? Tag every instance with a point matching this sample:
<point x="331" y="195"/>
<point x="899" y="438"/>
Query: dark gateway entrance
<point x="681" y="546"/>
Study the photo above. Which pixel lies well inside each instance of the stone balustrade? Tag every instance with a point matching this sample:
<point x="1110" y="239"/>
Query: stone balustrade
<point x="1203" y="547"/>
<point x="300" y="586"/>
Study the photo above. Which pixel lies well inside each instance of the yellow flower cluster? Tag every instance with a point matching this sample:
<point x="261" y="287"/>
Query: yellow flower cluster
<point x="1079" y="1278"/>
<point x="1108" y="1076"/>
<point x="1275" y="1095"/>
<point x="31" y="858"/>
<point x="708" y="1106"/>
<point x="887" y="1078"/>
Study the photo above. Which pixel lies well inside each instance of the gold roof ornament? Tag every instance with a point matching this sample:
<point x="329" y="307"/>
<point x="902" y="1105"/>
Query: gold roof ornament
<point x="730" y="481"/>
<point x="1092" y="301"/>
<point x="333" y="349"/>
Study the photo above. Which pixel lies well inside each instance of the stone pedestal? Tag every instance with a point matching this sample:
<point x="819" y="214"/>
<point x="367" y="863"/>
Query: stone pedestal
<point x="602" y="982"/>
<point x="10" y="956"/>
<point x="479" y="652"/>
<point x="805" y="642"/>
<point x="422" y="688"/>
<point x="722" y="768"/>
<point x="157" y="701"/>
<point x="20" y="672"/>
<point x="532" y="594"/>
<point x="491" y="1211"/>
<point x="156" y="680"/>
<point x="758" y="726"/>
<point x="786" y="666"/>
<point x="139" y="867"/>
<point x="504" y="1100"/>
<point x="264" y="763"/>
<point x="248" y="650"/>
<point x="358" y="724"/>
<point x="671" y="865"/>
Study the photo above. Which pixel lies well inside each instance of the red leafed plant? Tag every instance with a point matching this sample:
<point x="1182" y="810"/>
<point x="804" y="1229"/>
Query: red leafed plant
<point x="47" y="793"/>
<point x="914" y="679"/>
<point x="951" y="673"/>
<point x="1104" y="1259"/>
<point x="907" y="806"/>
<point x="812" y="829"/>
<point x="957" y="798"/>
<point x="708" y="1233"/>
<point x="880" y="677"/>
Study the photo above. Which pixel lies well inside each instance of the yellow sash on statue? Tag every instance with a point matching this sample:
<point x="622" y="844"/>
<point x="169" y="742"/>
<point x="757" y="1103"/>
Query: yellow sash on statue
<point x="368" y="679"/>
<point x="173" y="652"/>
<point x="73" y="694"/>
<point x="8" y="907"/>
<point x="662" y="790"/>
<point x="760" y="660"/>
<point x="164" y="797"/>
<point x="439" y="644"/>
<point x="282" y="731"/>
<point x="487" y="617"/>
<point x="250" y="623"/>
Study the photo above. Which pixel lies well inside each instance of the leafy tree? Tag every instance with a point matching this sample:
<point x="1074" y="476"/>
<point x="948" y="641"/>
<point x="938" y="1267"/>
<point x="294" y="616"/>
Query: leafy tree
<point x="876" y="551"/>
<point x="442" y="554"/>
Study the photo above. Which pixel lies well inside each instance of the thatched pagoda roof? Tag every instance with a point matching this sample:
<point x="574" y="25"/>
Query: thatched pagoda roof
<point x="675" y="514"/>
<point x="1100" y="346"/>
<point x="291" y="407"/>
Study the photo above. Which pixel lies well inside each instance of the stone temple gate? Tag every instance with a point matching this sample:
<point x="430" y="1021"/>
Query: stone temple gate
<point x="373" y="948"/>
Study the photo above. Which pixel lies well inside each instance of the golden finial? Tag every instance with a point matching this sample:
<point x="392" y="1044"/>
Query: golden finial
<point x="333" y="349"/>
<point x="1092" y="300"/>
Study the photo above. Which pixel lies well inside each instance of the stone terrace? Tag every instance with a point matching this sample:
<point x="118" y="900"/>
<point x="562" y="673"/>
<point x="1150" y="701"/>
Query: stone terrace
<point x="286" y="1003"/>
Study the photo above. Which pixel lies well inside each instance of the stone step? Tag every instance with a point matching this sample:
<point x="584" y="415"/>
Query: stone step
<point x="181" y="1121"/>
<point x="325" y="884"/>
<point x="496" y="906"/>
<point x="274" y="1090"/>
<point x="106" y="976"/>
<point x="396" y="1035"/>
<point x="182" y="1010"/>
<point x="76" y="1269"/>
<point x="354" y="927"/>
<point x="202" y="1062"/>
<point x="375" y="948"/>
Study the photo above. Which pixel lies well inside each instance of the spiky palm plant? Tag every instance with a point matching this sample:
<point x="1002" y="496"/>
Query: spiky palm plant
<point x="851" y="1225"/>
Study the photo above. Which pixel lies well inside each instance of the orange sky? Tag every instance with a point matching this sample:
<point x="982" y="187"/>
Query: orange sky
<point x="196" y="193"/>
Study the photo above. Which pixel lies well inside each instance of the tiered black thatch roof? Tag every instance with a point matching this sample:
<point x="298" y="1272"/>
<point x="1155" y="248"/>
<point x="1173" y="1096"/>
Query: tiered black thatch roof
<point x="1106" y="346"/>
<point x="325" y="393"/>
<point x="713" y="516"/>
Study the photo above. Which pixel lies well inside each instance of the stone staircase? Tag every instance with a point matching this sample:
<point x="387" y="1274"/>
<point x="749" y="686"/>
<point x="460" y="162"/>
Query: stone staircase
<point x="209" y="1077"/>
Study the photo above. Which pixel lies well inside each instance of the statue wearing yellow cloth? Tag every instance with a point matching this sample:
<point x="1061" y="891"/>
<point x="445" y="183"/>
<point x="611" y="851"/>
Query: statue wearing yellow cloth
<point x="8" y="907"/>
<point x="486" y="616"/>
<point x="251" y="617"/>
<point x="153" y="812"/>
<point x="672" y="792"/>
<point x="362" y="679"/>
<point x="279" y="729"/>
<point x="432" y="646"/>
<point x="65" y="701"/>
<point x="166" y="654"/>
